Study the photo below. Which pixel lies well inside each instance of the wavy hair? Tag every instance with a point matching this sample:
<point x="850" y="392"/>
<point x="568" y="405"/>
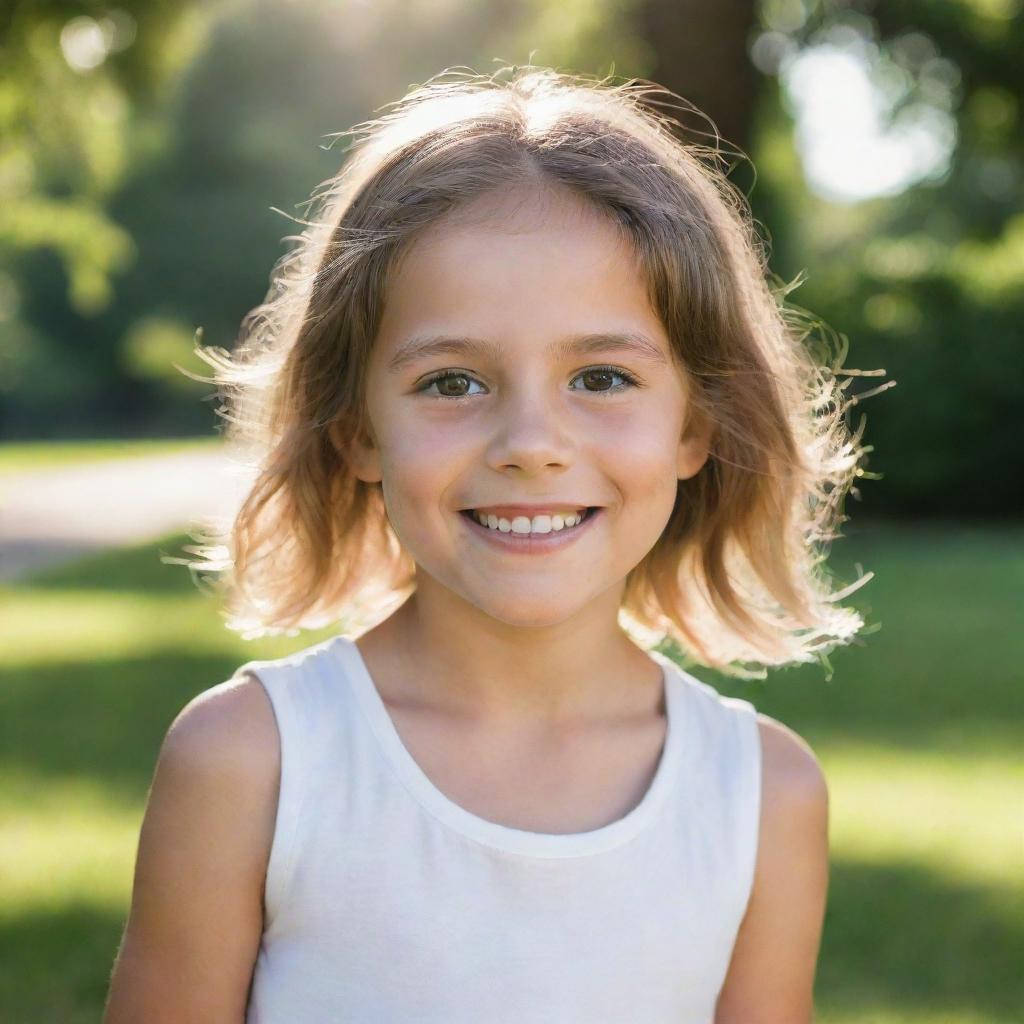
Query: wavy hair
<point x="737" y="578"/>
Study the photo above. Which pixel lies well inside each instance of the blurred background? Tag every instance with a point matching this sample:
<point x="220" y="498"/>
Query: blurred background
<point x="152" y="157"/>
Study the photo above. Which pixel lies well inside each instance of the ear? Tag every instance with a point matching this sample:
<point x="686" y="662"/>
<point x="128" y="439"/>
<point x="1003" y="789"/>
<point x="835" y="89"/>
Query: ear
<point x="695" y="446"/>
<point x="359" y="452"/>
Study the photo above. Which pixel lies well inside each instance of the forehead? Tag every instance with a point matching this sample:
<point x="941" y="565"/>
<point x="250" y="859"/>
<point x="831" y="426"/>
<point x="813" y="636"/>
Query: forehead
<point x="518" y="229"/>
<point x="540" y="263"/>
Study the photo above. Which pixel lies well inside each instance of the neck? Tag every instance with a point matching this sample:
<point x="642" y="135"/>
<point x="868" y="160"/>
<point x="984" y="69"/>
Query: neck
<point x="583" y="670"/>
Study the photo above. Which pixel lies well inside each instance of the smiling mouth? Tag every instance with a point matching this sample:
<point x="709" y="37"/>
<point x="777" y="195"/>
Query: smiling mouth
<point x="524" y="526"/>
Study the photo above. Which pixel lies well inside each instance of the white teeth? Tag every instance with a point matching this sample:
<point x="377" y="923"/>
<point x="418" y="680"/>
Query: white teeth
<point x="523" y="524"/>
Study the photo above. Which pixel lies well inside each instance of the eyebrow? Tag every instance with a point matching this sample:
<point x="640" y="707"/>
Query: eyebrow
<point x="422" y="346"/>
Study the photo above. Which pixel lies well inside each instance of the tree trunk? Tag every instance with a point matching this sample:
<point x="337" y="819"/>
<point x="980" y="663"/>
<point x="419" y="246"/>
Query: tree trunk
<point x="700" y="49"/>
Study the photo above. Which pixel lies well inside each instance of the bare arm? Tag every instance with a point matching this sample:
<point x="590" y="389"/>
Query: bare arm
<point x="196" y="917"/>
<point x="771" y="975"/>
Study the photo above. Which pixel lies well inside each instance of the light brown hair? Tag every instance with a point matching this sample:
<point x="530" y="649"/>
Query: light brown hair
<point x="737" y="578"/>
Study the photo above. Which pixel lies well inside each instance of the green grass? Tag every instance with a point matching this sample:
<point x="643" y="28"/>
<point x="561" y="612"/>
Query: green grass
<point x="21" y="456"/>
<point x="918" y="732"/>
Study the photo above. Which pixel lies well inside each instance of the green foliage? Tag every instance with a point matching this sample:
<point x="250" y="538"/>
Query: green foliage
<point x="91" y="245"/>
<point x="161" y="182"/>
<point x="84" y="89"/>
<point x="928" y="284"/>
<point x="160" y="348"/>
<point x="70" y="86"/>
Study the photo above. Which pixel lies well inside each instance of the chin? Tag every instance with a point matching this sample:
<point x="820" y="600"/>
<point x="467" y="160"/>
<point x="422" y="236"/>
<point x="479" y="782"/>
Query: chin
<point x="529" y="612"/>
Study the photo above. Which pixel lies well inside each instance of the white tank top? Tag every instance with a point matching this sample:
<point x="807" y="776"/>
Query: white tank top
<point x="388" y="903"/>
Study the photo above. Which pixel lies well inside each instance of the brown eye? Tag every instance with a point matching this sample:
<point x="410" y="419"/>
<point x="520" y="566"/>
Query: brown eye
<point x="453" y="386"/>
<point x="449" y="385"/>
<point x="602" y="377"/>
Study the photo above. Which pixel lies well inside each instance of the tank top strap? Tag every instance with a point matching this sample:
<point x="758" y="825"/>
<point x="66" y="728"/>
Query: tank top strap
<point x="727" y="775"/>
<point x="308" y="699"/>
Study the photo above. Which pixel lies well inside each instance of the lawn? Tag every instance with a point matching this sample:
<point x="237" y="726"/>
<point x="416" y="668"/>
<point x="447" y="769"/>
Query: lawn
<point x="918" y="731"/>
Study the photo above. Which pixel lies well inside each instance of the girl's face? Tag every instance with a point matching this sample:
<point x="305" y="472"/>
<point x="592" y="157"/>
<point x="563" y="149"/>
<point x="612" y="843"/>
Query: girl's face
<point x="539" y="407"/>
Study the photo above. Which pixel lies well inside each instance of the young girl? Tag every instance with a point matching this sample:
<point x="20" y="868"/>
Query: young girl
<point x="523" y="406"/>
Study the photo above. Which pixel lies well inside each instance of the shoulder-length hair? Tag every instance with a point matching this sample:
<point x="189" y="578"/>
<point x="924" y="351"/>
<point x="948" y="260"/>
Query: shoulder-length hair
<point x="737" y="575"/>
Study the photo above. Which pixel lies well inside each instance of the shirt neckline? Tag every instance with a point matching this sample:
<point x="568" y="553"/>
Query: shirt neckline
<point x="504" y="837"/>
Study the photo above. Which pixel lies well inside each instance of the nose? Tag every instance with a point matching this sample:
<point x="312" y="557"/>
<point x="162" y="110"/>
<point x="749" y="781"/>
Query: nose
<point x="531" y="432"/>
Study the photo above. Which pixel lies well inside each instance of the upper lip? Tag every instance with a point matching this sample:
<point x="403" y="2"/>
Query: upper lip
<point x="547" y="509"/>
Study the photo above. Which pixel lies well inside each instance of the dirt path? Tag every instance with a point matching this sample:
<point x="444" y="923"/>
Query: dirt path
<point x="49" y="516"/>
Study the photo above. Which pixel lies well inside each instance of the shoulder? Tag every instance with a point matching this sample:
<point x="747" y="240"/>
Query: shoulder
<point x="196" y="915"/>
<point x="232" y="724"/>
<point x="794" y="798"/>
<point x="224" y="748"/>
<point x="771" y="975"/>
<point x="228" y="735"/>
<point x="791" y="771"/>
<point x="792" y="855"/>
<point x="218" y="774"/>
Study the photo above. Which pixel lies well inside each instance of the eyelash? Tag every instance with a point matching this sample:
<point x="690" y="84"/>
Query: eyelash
<point x="631" y="381"/>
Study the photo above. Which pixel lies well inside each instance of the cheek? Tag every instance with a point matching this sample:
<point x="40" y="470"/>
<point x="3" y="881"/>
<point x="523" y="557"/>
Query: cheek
<point x="419" y="461"/>
<point x="640" y="449"/>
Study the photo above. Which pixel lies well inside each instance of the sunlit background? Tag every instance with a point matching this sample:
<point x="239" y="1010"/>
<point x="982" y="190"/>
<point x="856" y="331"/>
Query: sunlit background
<point x="153" y="158"/>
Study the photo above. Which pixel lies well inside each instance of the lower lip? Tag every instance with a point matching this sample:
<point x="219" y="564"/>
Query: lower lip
<point x="533" y="543"/>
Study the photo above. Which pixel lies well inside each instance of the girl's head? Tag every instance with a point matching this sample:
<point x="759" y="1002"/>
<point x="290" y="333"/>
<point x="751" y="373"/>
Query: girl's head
<point x="531" y="292"/>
